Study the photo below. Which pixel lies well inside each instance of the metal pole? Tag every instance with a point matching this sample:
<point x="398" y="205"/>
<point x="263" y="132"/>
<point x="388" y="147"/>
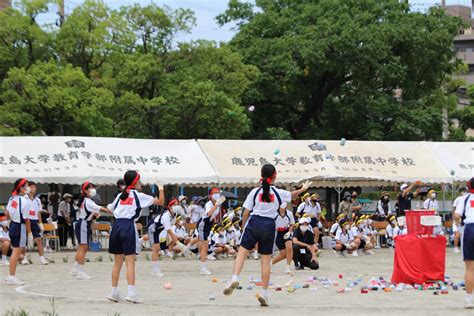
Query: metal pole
<point x="61" y="12"/>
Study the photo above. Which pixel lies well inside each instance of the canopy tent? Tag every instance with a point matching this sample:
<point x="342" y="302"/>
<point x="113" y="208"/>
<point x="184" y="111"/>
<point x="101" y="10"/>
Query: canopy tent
<point x="238" y="162"/>
<point x="328" y="163"/>
<point x="73" y="160"/>
<point x="457" y="159"/>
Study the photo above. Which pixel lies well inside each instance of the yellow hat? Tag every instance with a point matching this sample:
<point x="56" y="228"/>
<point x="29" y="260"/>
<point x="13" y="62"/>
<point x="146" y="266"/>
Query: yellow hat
<point x="306" y="195"/>
<point x="360" y="220"/>
<point x="314" y="196"/>
<point x="340" y="216"/>
<point x="228" y="225"/>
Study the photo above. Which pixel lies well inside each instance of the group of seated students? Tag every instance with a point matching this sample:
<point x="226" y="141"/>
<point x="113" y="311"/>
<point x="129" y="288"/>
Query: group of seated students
<point x="358" y="236"/>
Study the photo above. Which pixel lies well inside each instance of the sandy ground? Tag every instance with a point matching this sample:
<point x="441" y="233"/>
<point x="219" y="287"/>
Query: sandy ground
<point x="190" y="293"/>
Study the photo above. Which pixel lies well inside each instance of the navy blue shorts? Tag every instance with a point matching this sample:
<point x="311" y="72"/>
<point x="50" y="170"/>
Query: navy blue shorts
<point x="259" y="230"/>
<point x="17" y="233"/>
<point x="468" y="242"/>
<point x="314" y="222"/>
<point x="35" y="229"/>
<point x="83" y="231"/>
<point x="124" y="238"/>
<point x="204" y="228"/>
<point x="280" y="240"/>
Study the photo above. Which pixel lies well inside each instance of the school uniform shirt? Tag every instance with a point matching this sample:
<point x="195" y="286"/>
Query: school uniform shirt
<point x="368" y="230"/>
<point x="308" y="208"/>
<point x="466" y="207"/>
<point x="208" y="207"/>
<point x="91" y="208"/>
<point x="397" y="231"/>
<point x="431" y="205"/>
<point x="13" y="208"/>
<point x="334" y="228"/>
<point x="357" y="232"/>
<point x="131" y="207"/>
<point x="390" y="231"/>
<point x="284" y="222"/>
<point x="219" y="239"/>
<point x="34" y="208"/>
<point x="179" y="232"/>
<point x="344" y="238"/>
<point x="4" y="234"/>
<point x="258" y="207"/>
<point x="165" y="220"/>
<point x="234" y="234"/>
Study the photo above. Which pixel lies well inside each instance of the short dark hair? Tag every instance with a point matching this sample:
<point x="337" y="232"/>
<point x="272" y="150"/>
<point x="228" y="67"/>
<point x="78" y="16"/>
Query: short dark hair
<point x="31" y="183"/>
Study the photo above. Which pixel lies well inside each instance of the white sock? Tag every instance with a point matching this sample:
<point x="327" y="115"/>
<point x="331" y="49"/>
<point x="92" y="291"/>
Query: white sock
<point x="203" y="265"/>
<point x="4" y="258"/>
<point x="115" y="291"/>
<point x="288" y="266"/>
<point x="131" y="290"/>
<point x="469" y="298"/>
<point x="265" y="292"/>
<point x="80" y="268"/>
<point x="76" y="265"/>
<point x="235" y="278"/>
<point x="155" y="266"/>
<point x="42" y="257"/>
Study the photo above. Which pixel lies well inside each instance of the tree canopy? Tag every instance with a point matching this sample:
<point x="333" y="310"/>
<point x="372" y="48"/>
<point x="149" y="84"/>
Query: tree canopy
<point x="317" y="69"/>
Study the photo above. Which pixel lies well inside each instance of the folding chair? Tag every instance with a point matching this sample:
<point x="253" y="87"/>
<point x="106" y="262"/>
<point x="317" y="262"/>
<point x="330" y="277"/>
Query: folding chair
<point x="49" y="234"/>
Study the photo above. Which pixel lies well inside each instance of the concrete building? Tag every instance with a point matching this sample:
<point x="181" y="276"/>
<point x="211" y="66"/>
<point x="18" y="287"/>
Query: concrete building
<point x="5" y="4"/>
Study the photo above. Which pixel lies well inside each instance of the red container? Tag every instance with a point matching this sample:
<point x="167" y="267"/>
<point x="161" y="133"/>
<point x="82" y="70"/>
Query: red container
<point x="414" y="226"/>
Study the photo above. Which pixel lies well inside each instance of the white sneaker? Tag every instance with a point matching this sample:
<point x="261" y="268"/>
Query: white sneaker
<point x="12" y="280"/>
<point x="469" y="305"/>
<point x="456" y="250"/>
<point x="133" y="299"/>
<point x="114" y="298"/>
<point x="205" y="271"/>
<point x="211" y="257"/>
<point x="288" y="271"/>
<point x="263" y="300"/>
<point x="169" y="254"/>
<point x="48" y="250"/>
<point x="255" y="255"/>
<point x="43" y="261"/>
<point x="5" y="263"/>
<point x="74" y="272"/>
<point x="355" y="254"/>
<point x="83" y="276"/>
<point x="25" y="262"/>
<point x="158" y="274"/>
<point x="369" y="252"/>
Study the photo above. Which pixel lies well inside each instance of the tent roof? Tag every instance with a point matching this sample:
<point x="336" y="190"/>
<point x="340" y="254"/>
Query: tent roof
<point x="73" y="160"/>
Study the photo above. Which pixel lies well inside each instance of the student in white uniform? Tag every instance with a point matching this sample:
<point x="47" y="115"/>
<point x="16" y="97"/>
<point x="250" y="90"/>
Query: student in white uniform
<point x="219" y="242"/>
<point x="260" y="209"/>
<point x="360" y="238"/>
<point x="391" y="231"/>
<point x="284" y="225"/>
<point x="87" y="213"/>
<point x="160" y="231"/>
<point x="35" y="209"/>
<point x="344" y="238"/>
<point x="124" y="241"/>
<point x="211" y="209"/>
<point x="457" y="229"/>
<point x="465" y="216"/>
<point x="370" y="232"/>
<point x="17" y="210"/>
<point x="5" y="242"/>
<point x="431" y="203"/>
<point x="333" y="229"/>
<point x="181" y="236"/>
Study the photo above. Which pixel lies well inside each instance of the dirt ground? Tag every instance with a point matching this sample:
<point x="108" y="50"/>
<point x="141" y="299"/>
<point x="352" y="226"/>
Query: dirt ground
<point x="191" y="292"/>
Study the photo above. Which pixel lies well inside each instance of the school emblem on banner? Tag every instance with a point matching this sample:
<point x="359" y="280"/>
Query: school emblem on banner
<point x="75" y="144"/>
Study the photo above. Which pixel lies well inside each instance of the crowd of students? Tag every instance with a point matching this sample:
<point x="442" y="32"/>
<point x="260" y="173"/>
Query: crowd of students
<point x="269" y="220"/>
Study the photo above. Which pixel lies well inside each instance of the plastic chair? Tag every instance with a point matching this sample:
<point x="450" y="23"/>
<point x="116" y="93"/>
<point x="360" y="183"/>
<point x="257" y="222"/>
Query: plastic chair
<point x="49" y="234"/>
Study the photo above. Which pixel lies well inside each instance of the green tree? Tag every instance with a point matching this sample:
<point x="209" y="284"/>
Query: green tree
<point x="50" y="100"/>
<point x="22" y="40"/>
<point x="355" y="68"/>
<point x="204" y="91"/>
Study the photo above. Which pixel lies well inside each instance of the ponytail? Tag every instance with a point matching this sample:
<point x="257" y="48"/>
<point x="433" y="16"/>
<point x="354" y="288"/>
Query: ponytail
<point x="130" y="178"/>
<point x="268" y="173"/>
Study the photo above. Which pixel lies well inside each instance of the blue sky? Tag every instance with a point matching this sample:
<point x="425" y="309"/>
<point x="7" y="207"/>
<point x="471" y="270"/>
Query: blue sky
<point x="205" y="11"/>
